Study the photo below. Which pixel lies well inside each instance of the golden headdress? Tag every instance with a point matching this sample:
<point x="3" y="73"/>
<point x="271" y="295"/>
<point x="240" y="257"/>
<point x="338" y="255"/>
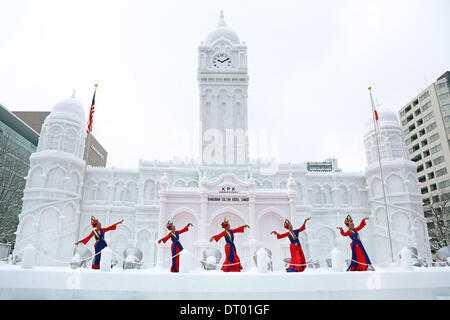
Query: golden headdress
<point x="225" y="222"/>
<point x="94" y="221"/>
<point x="348" y="219"/>
<point x="286" y="223"/>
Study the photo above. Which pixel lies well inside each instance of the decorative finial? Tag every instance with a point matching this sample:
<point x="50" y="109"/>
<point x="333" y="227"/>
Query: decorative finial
<point x="370" y="88"/>
<point x="222" y="22"/>
<point x="73" y="94"/>
<point x="96" y="85"/>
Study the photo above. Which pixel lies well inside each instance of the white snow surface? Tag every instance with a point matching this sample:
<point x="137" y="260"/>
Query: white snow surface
<point x="66" y="283"/>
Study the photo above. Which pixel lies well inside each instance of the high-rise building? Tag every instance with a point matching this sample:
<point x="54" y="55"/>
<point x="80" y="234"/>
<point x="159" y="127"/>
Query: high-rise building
<point x="97" y="155"/>
<point x="425" y="121"/>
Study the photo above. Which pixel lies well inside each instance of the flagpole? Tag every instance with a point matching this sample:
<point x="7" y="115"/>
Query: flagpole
<point x="85" y="170"/>
<point x="381" y="174"/>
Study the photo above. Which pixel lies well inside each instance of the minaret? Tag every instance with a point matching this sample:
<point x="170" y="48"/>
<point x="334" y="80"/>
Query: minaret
<point x="51" y="202"/>
<point x="223" y="83"/>
<point x="404" y="200"/>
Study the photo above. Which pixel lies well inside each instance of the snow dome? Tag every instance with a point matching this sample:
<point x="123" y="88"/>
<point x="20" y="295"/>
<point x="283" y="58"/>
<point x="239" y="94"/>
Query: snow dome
<point x="71" y="108"/>
<point x="386" y="119"/>
<point x="222" y="31"/>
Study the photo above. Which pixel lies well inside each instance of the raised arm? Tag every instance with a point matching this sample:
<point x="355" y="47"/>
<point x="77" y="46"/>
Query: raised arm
<point x="281" y="236"/>
<point x="303" y="227"/>
<point x="361" y="225"/>
<point x="217" y="237"/>
<point x="86" y="240"/>
<point x="240" y="229"/>
<point x="346" y="233"/>
<point x="113" y="227"/>
<point x="185" y="228"/>
<point x="164" y="239"/>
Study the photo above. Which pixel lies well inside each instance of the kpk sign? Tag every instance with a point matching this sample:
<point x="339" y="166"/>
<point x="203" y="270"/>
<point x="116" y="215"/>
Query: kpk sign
<point x="228" y="188"/>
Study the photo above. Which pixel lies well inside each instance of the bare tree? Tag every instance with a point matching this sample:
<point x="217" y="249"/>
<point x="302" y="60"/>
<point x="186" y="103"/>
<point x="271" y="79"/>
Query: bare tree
<point x="438" y="212"/>
<point x="14" y="165"/>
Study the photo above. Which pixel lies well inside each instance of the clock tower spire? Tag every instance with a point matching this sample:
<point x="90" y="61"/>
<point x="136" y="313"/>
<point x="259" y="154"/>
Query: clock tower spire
<point x="223" y="83"/>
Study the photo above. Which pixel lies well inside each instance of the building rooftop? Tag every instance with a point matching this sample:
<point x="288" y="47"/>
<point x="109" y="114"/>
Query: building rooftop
<point x="14" y="122"/>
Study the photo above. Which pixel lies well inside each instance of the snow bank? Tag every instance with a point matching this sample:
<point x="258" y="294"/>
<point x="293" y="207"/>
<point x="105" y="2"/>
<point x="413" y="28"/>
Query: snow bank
<point x="66" y="283"/>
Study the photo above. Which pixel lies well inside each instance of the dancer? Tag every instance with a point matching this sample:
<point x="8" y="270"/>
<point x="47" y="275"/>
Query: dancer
<point x="298" y="261"/>
<point x="360" y="259"/>
<point x="232" y="262"/>
<point x="100" y="243"/>
<point x="176" y="245"/>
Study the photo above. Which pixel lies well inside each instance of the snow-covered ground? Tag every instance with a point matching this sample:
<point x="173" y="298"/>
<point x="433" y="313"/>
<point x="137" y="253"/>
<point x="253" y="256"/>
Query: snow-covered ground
<point x="66" y="283"/>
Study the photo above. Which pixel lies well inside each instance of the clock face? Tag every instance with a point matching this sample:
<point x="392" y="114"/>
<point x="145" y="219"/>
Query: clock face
<point x="221" y="61"/>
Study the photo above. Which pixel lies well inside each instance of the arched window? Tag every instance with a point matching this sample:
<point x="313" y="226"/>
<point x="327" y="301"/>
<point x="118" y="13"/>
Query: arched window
<point x="396" y="147"/>
<point x="344" y="195"/>
<point x="394" y="184"/>
<point x="54" y="137"/>
<point x="299" y="191"/>
<point x="102" y="191"/>
<point x="55" y="179"/>
<point x="70" y="140"/>
<point x="180" y="184"/>
<point x="267" y="185"/>
<point x="36" y="179"/>
<point x="193" y="184"/>
<point x="72" y="184"/>
<point x="132" y="191"/>
<point x="149" y="190"/>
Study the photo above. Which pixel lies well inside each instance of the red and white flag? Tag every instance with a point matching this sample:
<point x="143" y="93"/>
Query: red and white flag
<point x="91" y="112"/>
<point x="374" y="111"/>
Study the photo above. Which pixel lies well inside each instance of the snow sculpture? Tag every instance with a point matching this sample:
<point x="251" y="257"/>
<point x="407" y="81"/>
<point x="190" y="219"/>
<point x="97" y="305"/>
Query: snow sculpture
<point x="105" y="262"/>
<point x="61" y="193"/>
<point x="50" y="216"/>
<point x="132" y="258"/>
<point x="407" y="223"/>
<point x="29" y="254"/>
<point x="406" y="256"/>
<point x="337" y="260"/>
<point x="263" y="261"/>
<point x="185" y="261"/>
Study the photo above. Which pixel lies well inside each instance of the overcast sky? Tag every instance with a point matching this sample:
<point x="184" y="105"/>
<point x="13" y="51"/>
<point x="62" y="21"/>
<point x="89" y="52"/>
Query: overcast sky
<point x="310" y="63"/>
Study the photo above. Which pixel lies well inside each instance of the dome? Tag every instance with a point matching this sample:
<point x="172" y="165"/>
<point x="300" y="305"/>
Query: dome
<point x="222" y="31"/>
<point x="71" y="108"/>
<point x="386" y="118"/>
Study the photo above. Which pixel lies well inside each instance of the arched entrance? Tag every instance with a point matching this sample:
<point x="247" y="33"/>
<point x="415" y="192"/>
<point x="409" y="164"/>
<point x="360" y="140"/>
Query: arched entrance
<point x="267" y="223"/>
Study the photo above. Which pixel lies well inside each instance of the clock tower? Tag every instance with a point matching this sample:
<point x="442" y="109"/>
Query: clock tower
<point x="223" y="82"/>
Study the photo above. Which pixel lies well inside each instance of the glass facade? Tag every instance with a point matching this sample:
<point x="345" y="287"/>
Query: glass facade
<point x="17" y="143"/>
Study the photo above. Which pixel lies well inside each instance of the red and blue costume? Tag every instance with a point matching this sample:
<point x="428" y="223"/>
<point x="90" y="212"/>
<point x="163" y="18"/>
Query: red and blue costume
<point x="176" y="247"/>
<point x="360" y="259"/>
<point x="100" y="243"/>
<point x="232" y="262"/>
<point x="298" y="261"/>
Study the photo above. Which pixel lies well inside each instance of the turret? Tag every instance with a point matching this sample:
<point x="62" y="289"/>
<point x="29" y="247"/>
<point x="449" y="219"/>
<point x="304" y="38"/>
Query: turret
<point x="52" y="196"/>
<point x="401" y="187"/>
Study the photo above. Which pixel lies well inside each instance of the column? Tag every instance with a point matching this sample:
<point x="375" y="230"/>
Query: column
<point x="252" y="217"/>
<point x="162" y="217"/>
<point x="203" y="236"/>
